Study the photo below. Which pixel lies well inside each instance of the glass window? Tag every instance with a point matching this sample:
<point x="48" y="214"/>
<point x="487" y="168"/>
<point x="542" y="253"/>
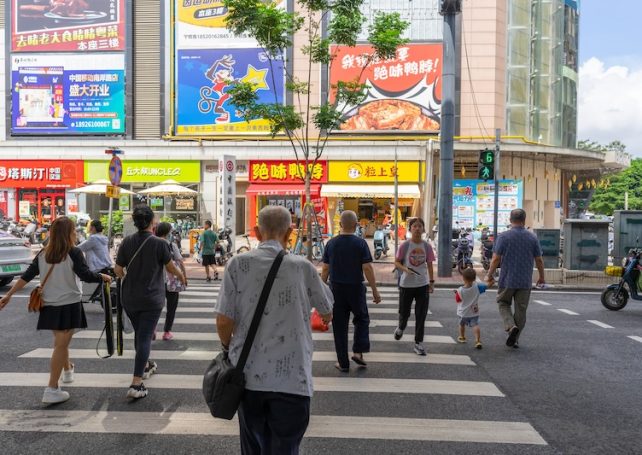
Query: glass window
<point x="423" y="15"/>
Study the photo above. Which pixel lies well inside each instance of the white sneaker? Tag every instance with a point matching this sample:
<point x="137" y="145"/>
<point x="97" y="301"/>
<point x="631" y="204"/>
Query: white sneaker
<point x="137" y="391"/>
<point x="150" y="369"/>
<point x="419" y="349"/>
<point x="68" y="375"/>
<point x="53" y="396"/>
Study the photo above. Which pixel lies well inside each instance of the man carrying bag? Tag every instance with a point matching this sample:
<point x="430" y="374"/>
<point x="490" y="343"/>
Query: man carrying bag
<point x="274" y="408"/>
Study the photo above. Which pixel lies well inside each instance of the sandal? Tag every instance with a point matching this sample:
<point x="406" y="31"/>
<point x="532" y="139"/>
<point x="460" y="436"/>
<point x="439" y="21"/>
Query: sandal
<point x="341" y="369"/>
<point x="358" y="359"/>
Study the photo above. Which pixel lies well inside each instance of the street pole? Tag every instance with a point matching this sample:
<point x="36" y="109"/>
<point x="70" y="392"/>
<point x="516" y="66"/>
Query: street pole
<point x="427" y="209"/>
<point x="449" y="9"/>
<point x="498" y="139"/>
<point x="396" y="216"/>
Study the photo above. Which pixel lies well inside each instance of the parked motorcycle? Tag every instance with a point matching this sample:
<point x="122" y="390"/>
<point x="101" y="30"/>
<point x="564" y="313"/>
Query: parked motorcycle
<point x="223" y="248"/>
<point x="381" y="241"/>
<point x="360" y="231"/>
<point x="464" y="252"/>
<point x="616" y="296"/>
<point x="486" y="248"/>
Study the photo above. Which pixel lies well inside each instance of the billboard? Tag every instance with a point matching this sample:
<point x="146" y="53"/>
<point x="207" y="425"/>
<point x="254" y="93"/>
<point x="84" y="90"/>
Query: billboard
<point x="67" y="25"/>
<point x="203" y="78"/>
<point x="67" y="94"/>
<point x="474" y="201"/>
<point x="403" y="93"/>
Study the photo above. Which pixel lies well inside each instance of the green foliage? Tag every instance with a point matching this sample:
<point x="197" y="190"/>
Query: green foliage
<point x="116" y="222"/>
<point x="608" y="198"/>
<point x="594" y="146"/>
<point x="385" y="34"/>
<point x="167" y="219"/>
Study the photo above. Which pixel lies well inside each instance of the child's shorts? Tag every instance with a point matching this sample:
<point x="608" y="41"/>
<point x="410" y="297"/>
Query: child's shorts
<point x="470" y="322"/>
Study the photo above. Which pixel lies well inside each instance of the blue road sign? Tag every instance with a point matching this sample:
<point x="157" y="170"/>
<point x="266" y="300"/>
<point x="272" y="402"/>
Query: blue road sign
<point x="115" y="170"/>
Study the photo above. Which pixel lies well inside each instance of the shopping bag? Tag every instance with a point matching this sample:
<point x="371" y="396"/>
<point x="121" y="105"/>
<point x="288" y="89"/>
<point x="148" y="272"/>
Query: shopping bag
<point x="317" y="323"/>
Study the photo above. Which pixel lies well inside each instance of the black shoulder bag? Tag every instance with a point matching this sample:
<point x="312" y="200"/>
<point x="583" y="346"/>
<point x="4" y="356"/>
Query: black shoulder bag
<point x="224" y="383"/>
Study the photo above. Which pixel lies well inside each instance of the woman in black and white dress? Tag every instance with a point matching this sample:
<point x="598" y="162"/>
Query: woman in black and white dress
<point x="62" y="312"/>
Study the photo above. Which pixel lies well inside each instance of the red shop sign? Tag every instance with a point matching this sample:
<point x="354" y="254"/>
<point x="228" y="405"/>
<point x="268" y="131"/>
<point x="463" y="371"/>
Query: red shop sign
<point x="284" y="171"/>
<point x="41" y="173"/>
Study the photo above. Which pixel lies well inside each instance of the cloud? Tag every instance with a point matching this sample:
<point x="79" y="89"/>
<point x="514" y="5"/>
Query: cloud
<point x="610" y="104"/>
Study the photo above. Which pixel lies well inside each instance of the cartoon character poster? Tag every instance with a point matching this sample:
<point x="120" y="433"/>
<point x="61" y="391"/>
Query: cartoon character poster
<point x="204" y="78"/>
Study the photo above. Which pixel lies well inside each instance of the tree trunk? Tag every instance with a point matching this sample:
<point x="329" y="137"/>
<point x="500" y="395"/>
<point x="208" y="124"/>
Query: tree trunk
<point x="308" y="211"/>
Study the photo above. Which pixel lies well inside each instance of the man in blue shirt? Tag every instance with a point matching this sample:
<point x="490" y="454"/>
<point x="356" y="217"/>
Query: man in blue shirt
<point x="517" y="249"/>
<point x="345" y="260"/>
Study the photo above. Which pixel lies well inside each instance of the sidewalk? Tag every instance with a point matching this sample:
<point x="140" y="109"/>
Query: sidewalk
<point x="557" y="279"/>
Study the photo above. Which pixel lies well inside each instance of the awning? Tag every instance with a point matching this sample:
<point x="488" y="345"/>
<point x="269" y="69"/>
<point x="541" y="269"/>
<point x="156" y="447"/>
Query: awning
<point x="370" y="191"/>
<point x="275" y="189"/>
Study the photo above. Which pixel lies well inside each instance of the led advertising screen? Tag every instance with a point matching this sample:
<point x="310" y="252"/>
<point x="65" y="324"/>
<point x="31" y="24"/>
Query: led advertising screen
<point x="203" y="79"/>
<point x="403" y="94"/>
<point x="67" y="94"/>
<point x="67" y="25"/>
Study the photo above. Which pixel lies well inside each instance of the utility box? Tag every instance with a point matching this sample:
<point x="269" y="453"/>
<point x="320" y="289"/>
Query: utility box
<point x="586" y="244"/>
<point x="627" y="233"/>
<point x="549" y="240"/>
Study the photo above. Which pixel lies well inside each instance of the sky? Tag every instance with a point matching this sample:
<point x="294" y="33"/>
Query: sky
<point x="610" y="75"/>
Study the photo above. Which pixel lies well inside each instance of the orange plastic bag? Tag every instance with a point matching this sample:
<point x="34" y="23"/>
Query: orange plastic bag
<point x="317" y="323"/>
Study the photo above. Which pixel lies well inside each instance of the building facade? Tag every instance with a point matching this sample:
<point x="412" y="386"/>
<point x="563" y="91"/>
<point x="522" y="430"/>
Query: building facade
<point x="151" y="81"/>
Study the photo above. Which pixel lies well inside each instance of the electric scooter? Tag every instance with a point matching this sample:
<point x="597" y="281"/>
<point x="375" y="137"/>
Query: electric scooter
<point x="616" y="296"/>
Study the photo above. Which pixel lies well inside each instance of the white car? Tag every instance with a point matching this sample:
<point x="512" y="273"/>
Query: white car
<point x="15" y="257"/>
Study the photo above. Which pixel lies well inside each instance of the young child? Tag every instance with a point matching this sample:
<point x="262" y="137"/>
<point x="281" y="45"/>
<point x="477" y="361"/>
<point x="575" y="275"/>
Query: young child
<point x="467" y="298"/>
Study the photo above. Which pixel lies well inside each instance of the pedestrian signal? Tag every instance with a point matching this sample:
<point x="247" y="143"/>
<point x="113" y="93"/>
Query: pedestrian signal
<point x="486" y="169"/>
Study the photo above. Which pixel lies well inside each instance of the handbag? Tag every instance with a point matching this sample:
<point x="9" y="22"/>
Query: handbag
<point x="224" y="383"/>
<point x="35" y="298"/>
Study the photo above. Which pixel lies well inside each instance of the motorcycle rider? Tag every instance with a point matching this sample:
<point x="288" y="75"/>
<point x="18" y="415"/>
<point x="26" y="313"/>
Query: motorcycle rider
<point x="96" y="248"/>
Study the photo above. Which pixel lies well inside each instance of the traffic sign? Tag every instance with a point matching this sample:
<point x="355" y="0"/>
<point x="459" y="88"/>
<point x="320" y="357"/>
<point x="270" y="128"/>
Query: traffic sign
<point x="113" y="192"/>
<point x="115" y="170"/>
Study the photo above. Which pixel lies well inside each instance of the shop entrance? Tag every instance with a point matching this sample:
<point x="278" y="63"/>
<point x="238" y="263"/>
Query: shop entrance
<point x="42" y="205"/>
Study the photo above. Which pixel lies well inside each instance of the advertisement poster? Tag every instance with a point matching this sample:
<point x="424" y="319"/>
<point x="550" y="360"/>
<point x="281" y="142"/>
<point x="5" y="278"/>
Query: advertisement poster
<point x="67" y="25"/>
<point x="200" y="24"/>
<point x="474" y="201"/>
<point x="204" y="78"/>
<point x="403" y="93"/>
<point x="68" y="94"/>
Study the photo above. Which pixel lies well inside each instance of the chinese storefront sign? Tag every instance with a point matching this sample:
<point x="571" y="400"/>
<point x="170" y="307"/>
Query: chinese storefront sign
<point x="64" y="94"/>
<point x="41" y="174"/>
<point x="474" y="201"/>
<point x="227" y="195"/>
<point x="135" y="171"/>
<point x="275" y="171"/>
<point x="204" y="78"/>
<point x="67" y="25"/>
<point x="404" y="93"/>
<point x="375" y="171"/>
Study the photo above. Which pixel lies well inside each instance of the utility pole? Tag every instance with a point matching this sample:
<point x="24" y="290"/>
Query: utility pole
<point x="396" y="216"/>
<point x="498" y="139"/>
<point x="449" y="9"/>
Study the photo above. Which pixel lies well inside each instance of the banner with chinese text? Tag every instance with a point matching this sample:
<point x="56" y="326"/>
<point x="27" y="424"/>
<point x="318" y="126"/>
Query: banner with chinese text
<point x="41" y="174"/>
<point x="203" y="78"/>
<point x="284" y="171"/>
<point x="67" y="94"/>
<point x="403" y="93"/>
<point x="67" y="25"/>
<point x="146" y="171"/>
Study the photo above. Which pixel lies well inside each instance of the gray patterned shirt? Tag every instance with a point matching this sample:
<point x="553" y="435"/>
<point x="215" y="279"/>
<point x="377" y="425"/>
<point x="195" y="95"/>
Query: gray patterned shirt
<point x="518" y="249"/>
<point x="281" y="357"/>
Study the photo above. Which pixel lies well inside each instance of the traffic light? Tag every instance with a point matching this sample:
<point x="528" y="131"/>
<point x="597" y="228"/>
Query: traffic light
<point x="486" y="170"/>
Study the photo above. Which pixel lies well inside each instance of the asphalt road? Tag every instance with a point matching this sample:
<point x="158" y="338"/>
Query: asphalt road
<point x="571" y="388"/>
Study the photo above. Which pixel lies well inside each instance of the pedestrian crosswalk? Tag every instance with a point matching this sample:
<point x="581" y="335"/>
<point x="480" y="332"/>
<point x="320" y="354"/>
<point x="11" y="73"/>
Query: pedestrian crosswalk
<point x="400" y="396"/>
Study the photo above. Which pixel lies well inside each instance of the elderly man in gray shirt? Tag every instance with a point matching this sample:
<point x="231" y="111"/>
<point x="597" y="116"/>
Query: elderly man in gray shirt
<point x="275" y="410"/>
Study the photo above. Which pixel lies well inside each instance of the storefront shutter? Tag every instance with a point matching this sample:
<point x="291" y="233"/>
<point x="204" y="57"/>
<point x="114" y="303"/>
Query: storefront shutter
<point x="147" y="69"/>
<point x="2" y="7"/>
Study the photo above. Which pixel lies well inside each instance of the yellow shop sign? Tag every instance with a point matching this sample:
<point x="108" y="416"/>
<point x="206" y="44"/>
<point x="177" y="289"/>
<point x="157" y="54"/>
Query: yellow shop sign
<point x="138" y="171"/>
<point x="375" y="171"/>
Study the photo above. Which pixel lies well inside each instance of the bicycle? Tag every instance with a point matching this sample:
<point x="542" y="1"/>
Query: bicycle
<point x="245" y="248"/>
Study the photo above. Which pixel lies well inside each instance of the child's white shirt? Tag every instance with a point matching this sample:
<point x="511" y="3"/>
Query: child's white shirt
<point x="468" y="300"/>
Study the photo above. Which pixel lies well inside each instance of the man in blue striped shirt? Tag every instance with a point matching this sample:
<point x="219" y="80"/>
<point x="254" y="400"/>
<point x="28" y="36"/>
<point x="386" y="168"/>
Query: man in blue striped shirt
<point x="516" y="249"/>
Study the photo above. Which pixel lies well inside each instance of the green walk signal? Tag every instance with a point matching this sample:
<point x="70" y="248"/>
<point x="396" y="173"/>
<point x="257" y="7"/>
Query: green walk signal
<point x="486" y="170"/>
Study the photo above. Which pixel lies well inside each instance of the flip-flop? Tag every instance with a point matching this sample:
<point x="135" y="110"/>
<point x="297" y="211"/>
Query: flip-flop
<point x="359" y="361"/>
<point x="341" y="369"/>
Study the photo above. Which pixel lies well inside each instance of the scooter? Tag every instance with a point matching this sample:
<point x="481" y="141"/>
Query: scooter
<point x="616" y="296"/>
<point x="381" y="242"/>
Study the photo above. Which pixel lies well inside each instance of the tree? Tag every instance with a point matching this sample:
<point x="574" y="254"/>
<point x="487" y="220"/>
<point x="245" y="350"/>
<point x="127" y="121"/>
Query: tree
<point x="588" y="144"/>
<point x="610" y="197"/>
<point x="306" y="125"/>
